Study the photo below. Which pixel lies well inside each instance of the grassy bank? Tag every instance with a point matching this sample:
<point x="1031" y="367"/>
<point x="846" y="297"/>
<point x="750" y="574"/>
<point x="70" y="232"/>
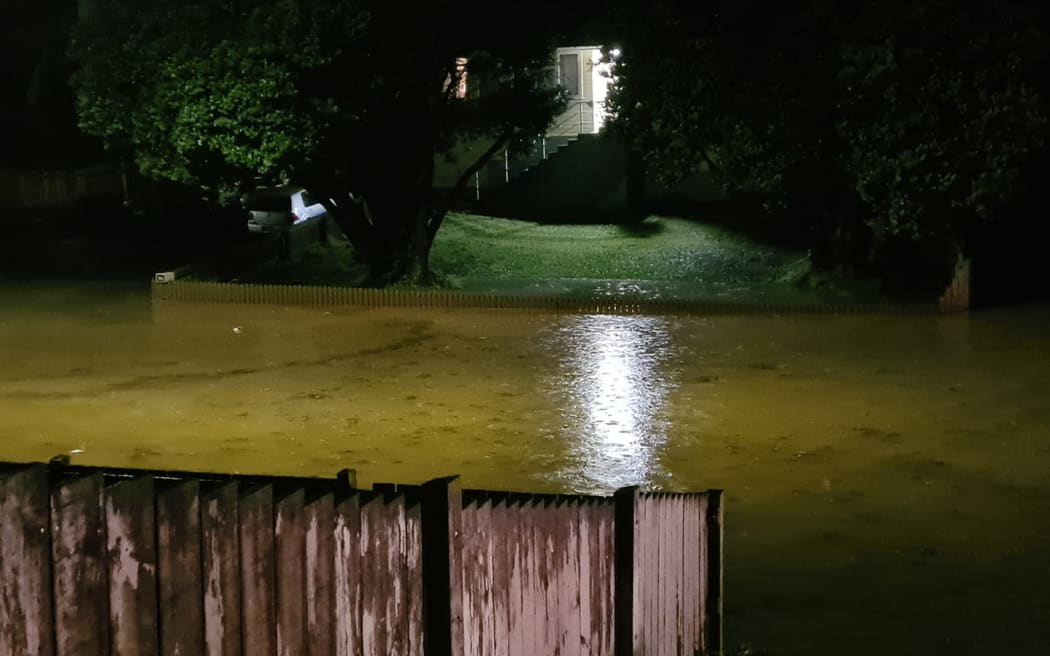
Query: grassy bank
<point x="663" y="257"/>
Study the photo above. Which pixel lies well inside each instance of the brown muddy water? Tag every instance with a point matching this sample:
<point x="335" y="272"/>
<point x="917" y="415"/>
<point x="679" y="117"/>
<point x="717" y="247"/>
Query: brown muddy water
<point x="887" y="478"/>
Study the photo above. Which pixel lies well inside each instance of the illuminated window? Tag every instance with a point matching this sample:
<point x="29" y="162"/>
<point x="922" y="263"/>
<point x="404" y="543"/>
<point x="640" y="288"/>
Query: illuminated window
<point x="460" y="80"/>
<point x="461" y="75"/>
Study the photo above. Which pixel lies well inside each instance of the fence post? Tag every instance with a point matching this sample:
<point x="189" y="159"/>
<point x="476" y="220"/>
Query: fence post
<point x="78" y="547"/>
<point x="132" y="559"/>
<point x="623" y="564"/>
<point x="258" y="599"/>
<point x="441" y="503"/>
<point x="221" y="569"/>
<point x="713" y="606"/>
<point x="179" y="585"/>
<point x="26" y="621"/>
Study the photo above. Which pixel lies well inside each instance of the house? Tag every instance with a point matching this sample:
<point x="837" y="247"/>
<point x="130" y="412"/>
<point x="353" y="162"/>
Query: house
<point x="583" y="74"/>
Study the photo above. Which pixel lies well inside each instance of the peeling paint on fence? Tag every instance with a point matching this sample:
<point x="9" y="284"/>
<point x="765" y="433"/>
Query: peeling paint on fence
<point x="181" y="563"/>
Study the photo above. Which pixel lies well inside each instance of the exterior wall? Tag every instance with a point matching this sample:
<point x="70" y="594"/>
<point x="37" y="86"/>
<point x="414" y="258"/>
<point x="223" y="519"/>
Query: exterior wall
<point x="582" y="115"/>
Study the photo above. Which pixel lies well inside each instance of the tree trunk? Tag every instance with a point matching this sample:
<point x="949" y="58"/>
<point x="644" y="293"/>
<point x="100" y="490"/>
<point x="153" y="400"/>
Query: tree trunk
<point x="417" y="266"/>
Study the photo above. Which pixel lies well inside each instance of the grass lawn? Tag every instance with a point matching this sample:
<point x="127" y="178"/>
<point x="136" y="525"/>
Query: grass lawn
<point x="664" y="257"/>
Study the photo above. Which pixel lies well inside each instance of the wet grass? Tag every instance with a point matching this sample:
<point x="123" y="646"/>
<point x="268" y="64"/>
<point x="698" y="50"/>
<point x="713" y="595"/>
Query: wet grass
<point x="662" y="257"/>
<point x="662" y="248"/>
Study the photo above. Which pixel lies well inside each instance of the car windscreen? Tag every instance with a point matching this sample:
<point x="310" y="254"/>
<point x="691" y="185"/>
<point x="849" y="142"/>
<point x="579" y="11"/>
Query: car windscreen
<point x="269" y="203"/>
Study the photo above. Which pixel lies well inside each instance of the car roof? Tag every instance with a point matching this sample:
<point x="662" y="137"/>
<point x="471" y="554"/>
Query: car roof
<point x="283" y="190"/>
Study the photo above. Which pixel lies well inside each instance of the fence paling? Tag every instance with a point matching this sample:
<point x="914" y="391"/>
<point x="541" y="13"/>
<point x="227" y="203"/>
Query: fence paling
<point x="25" y="609"/>
<point x="132" y="565"/>
<point x="231" y="567"/>
<point x="320" y="574"/>
<point x="257" y="576"/>
<point x="221" y="562"/>
<point x="78" y="554"/>
<point x="290" y="580"/>
<point x="181" y="613"/>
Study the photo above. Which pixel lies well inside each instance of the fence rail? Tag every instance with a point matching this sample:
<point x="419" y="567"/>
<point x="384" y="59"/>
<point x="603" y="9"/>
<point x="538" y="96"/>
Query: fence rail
<point x="39" y="188"/>
<point x="118" y="561"/>
<point x="320" y="296"/>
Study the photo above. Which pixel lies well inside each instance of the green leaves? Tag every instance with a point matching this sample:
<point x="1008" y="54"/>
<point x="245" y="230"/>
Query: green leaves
<point x="919" y="116"/>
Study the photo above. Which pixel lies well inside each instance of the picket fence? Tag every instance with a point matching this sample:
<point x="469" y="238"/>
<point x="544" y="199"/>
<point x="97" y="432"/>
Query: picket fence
<point x="117" y="561"/>
<point x="167" y="289"/>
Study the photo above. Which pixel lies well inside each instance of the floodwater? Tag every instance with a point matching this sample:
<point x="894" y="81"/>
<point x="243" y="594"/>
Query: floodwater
<point x="887" y="478"/>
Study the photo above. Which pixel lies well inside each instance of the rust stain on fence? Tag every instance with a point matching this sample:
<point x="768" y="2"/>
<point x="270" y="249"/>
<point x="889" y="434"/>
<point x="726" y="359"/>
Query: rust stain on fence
<point x="167" y="562"/>
<point x="221" y="292"/>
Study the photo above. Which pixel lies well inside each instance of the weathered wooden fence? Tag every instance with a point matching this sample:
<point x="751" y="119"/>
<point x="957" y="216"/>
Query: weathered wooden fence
<point x="121" y="562"/>
<point x="163" y="291"/>
<point x="36" y="188"/>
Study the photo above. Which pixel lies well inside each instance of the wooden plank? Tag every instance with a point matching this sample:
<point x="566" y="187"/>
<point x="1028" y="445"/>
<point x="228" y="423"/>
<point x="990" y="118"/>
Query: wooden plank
<point x="500" y="555"/>
<point x="348" y="577"/>
<point x="572" y="579"/>
<point x="607" y="536"/>
<point x="548" y="578"/>
<point x="320" y="574"/>
<point x="646" y="579"/>
<point x="515" y="607"/>
<point x="664" y="568"/>
<point x="564" y="584"/>
<point x="259" y="615"/>
<point x="681" y="573"/>
<point x="471" y="600"/>
<point x="414" y="578"/>
<point x="537" y="594"/>
<point x="485" y="579"/>
<point x="702" y="568"/>
<point x="132" y="567"/>
<point x="290" y="580"/>
<point x="586" y="548"/>
<point x="691" y="561"/>
<point x="181" y="595"/>
<point x="685" y="571"/>
<point x="78" y="548"/>
<point x="670" y="569"/>
<point x="221" y="562"/>
<point x="396" y="619"/>
<point x="26" y="620"/>
<point x="372" y="638"/>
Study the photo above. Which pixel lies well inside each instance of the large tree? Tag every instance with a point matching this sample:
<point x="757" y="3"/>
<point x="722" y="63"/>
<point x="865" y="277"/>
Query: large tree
<point x="870" y="124"/>
<point x="350" y="98"/>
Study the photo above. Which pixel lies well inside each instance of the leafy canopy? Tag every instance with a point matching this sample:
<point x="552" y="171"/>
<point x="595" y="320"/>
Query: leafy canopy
<point x="901" y="120"/>
<point x="223" y="91"/>
<point x="338" y="95"/>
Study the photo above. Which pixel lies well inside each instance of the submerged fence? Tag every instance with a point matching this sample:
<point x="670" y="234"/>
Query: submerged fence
<point x="107" y="561"/>
<point x="310" y="295"/>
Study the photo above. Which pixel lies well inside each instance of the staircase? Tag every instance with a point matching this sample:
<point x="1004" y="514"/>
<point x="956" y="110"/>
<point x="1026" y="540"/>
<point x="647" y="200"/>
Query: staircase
<point x="583" y="179"/>
<point x="576" y="123"/>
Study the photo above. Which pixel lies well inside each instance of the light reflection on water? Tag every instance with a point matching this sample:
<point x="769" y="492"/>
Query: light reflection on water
<point x="885" y="476"/>
<point x="614" y="380"/>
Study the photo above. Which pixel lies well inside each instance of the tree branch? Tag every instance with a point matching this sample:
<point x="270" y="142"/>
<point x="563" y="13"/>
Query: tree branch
<point x="441" y="210"/>
<point x="711" y="166"/>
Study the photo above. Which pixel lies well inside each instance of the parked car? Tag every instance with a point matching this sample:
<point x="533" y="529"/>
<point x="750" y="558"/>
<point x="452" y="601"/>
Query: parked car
<point x="278" y="208"/>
